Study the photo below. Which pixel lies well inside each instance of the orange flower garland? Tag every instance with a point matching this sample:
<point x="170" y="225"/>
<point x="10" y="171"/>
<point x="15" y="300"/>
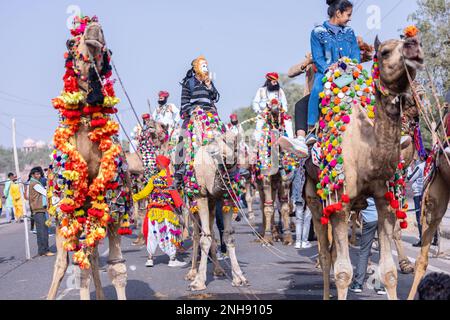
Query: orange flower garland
<point x="68" y="178"/>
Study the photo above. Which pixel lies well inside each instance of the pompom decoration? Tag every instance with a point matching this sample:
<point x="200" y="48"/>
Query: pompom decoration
<point x="337" y="106"/>
<point x="397" y="194"/>
<point x="411" y="31"/>
<point x="68" y="186"/>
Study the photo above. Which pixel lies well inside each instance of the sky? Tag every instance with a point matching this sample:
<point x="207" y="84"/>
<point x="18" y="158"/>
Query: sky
<point x="153" y="43"/>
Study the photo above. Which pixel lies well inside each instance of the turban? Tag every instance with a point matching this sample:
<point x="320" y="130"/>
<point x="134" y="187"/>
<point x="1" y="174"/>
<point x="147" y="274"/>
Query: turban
<point x="163" y="94"/>
<point x="163" y="161"/>
<point x="272" y="76"/>
<point x="233" y="116"/>
<point x="146" y="116"/>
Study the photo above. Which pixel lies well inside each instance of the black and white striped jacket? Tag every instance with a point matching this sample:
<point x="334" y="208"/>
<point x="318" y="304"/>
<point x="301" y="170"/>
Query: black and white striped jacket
<point x="195" y="93"/>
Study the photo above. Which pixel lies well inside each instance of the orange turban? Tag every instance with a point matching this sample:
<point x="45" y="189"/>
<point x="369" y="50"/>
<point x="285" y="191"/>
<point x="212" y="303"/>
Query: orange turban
<point x="272" y="76"/>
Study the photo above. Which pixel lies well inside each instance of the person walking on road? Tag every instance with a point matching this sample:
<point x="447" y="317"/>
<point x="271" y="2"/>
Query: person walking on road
<point x="38" y="205"/>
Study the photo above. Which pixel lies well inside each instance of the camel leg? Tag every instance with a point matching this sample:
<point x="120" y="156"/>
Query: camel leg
<point x="85" y="283"/>
<point x="315" y="206"/>
<point x="61" y="264"/>
<point x="343" y="270"/>
<point x="434" y="207"/>
<point x="99" y="293"/>
<point x="353" y="237"/>
<point x="117" y="270"/>
<point x="238" y="277"/>
<point x="249" y="200"/>
<point x="283" y="195"/>
<point x="218" y="271"/>
<point x="405" y="265"/>
<point x="388" y="270"/>
<point x="190" y="276"/>
<point x="275" y="227"/>
<point x="268" y="211"/>
<point x="205" y="243"/>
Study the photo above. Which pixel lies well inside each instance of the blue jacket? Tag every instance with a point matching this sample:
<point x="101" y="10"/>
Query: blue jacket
<point x="327" y="48"/>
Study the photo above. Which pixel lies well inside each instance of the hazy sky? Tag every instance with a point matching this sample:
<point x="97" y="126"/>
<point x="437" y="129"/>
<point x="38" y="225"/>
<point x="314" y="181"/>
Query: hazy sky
<point x="153" y="43"/>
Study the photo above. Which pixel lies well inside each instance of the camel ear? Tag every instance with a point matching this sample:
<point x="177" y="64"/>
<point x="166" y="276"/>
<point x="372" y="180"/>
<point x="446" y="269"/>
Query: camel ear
<point x="377" y="43"/>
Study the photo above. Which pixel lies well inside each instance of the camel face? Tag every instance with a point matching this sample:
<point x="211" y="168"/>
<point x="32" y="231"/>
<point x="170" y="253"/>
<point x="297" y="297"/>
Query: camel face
<point x="157" y="132"/>
<point x="91" y="49"/>
<point x="393" y="55"/>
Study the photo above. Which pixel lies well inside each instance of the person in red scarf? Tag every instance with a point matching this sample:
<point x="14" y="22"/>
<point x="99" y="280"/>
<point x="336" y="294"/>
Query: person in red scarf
<point x="162" y="225"/>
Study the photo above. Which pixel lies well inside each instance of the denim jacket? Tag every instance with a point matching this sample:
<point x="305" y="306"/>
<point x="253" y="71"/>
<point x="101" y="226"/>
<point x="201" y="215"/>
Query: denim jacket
<point x="327" y="48"/>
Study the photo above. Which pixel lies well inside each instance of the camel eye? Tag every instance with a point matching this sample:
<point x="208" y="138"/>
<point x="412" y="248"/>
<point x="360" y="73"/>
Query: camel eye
<point x="385" y="53"/>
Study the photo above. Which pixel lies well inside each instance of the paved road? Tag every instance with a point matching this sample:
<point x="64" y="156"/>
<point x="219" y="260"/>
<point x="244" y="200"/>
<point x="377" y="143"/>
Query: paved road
<point x="279" y="273"/>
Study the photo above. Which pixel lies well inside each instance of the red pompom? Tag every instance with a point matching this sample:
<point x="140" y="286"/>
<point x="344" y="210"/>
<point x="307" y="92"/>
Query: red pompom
<point x="400" y="215"/>
<point x="389" y="196"/>
<point x="98" y="122"/>
<point x="395" y="204"/>
<point x="403" y="224"/>
<point x="345" y="198"/>
<point x="67" y="208"/>
<point x="95" y="212"/>
<point x="338" y="207"/>
<point x="82" y="220"/>
<point x="324" y="220"/>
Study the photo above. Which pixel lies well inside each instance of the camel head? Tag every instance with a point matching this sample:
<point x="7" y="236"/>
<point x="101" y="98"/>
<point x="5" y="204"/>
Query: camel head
<point x="394" y="57"/>
<point x="88" y="50"/>
<point x="156" y="132"/>
<point x="228" y="148"/>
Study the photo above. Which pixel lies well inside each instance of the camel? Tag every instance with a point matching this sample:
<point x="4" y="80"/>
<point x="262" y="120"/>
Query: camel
<point x="408" y="151"/>
<point x="273" y="179"/>
<point x="155" y="138"/>
<point x="371" y="156"/>
<point x="88" y="52"/>
<point x="218" y="153"/>
<point x="434" y="206"/>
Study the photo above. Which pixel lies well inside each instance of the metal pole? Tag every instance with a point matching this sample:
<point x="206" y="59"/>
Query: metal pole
<point x="25" y="218"/>
<point x="149" y="106"/>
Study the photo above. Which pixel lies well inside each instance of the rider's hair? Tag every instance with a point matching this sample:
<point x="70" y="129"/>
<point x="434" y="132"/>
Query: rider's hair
<point x="435" y="286"/>
<point x="338" y="5"/>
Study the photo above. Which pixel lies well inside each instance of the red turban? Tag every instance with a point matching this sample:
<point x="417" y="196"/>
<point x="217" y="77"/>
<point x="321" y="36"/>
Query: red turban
<point x="146" y="116"/>
<point x="233" y="116"/>
<point x="272" y="76"/>
<point x="163" y="94"/>
<point x="163" y="161"/>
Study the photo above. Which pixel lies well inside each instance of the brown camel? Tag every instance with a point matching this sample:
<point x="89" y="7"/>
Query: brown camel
<point x="219" y="152"/>
<point x="273" y="181"/>
<point x="434" y="206"/>
<point x="371" y="156"/>
<point x="87" y="52"/>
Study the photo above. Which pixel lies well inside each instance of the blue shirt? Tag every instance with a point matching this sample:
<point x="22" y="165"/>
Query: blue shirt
<point x="329" y="43"/>
<point x="370" y="214"/>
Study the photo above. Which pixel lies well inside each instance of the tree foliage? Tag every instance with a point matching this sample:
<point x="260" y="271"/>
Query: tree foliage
<point x="433" y="20"/>
<point x="39" y="157"/>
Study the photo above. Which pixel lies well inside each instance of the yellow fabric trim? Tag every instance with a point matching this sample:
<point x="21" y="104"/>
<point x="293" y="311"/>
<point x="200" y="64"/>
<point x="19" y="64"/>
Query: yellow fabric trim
<point x="144" y="192"/>
<point x="155" y="214"/>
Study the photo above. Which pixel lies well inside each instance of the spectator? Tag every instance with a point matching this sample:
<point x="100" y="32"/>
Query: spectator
<point x="38" y="205"/>
<point x="26" y="196"/>
<point x="220" y="226"/>
<point x="9" y="206"/>
<point x="435" y="286"/>
<point x="370" y="226"/>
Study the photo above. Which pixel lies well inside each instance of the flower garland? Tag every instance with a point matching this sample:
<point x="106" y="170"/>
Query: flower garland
<point x="68" y="178"/>
<point x="346" y="85"/>
<point x="289" y="162"/>
<point x="396" y="194"/>
<point x="203" y="128"/>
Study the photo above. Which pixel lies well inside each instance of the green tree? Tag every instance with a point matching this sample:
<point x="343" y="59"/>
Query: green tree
<point x="433" y="20"/>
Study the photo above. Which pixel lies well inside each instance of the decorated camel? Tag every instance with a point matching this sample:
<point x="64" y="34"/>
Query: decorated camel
<point x="408" y="149"/>
<point x="210" y="163"/>
<point x="88" y="184"/>
<point x="435" y="201"/>
<point x="359" y="138"/>
<point x="275" y="171"/>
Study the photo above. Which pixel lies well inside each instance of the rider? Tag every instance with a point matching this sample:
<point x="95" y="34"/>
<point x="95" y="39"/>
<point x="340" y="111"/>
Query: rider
<point x="166" y="113"/>
<point x="198" y="90"/>
<point x="329" y="42"/>
<point x="265" y="97"/>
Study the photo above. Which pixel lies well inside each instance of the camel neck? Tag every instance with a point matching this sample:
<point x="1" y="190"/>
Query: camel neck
<point x="387" y="134"/>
